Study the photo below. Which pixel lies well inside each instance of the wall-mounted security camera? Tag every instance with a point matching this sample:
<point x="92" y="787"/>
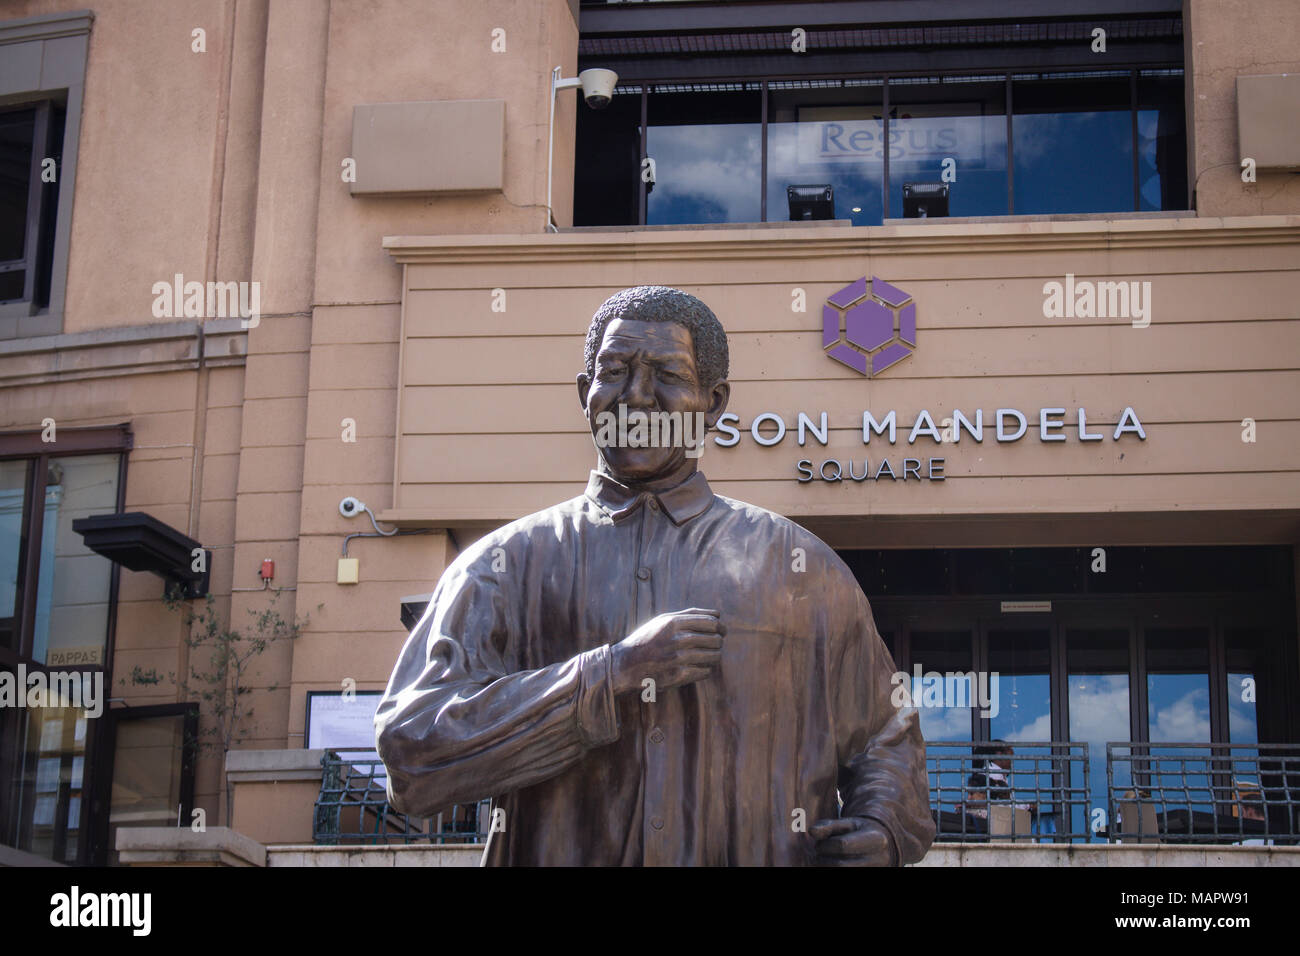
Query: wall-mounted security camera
<point x="597" y="90"/>
<point x="598" y="87"/>
<point x="350" y="507"/>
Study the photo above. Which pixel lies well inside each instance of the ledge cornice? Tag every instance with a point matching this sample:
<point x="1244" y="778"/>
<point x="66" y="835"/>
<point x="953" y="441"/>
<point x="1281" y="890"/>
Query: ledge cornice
<point x="805" y="243"/>
<point x="122" y="350"/>
<point x="69" y="23"/>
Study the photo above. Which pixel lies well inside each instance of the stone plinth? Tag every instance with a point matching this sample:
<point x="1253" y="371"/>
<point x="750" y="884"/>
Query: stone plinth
<point x="1103" y="854"/>
<point x="181" y="846"/>
<point x="274" y="793"/>
<point x="349" y="856"/>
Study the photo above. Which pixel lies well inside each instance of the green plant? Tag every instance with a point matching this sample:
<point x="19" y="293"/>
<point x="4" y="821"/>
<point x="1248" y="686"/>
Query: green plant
<point x="221" y="687"/>
<point x="141" y="676"/>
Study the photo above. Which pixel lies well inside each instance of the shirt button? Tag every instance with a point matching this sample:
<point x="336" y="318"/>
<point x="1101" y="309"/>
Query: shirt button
<point x="654" y="504"/>
<point x="643" y="574"/>
<point x="657" y="822"/>
<point x="656" y="736"/>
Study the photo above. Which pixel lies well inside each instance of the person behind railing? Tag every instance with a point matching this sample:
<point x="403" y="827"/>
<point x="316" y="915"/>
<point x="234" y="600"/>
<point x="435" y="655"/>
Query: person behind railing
<point x="990" y="780"/>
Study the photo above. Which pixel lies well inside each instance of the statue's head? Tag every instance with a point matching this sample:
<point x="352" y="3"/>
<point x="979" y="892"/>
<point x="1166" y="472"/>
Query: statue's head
<point x="653" y="349"/>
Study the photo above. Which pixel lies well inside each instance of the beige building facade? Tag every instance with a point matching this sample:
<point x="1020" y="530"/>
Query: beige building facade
<point x="1125" y="382"/>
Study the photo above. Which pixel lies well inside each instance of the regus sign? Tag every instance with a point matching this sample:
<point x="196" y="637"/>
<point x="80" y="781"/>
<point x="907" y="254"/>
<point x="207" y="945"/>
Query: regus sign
<point x="922" y="139"/>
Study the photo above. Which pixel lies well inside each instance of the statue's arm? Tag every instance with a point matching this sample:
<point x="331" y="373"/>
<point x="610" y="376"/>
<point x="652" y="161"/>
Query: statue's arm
<point x="456" y="725"/>
<point x="883" y="776"/>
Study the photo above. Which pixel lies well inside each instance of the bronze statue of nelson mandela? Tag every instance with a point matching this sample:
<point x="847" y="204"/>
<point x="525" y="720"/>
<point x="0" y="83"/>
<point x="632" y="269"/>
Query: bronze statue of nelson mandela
<point x="650" y="673"/>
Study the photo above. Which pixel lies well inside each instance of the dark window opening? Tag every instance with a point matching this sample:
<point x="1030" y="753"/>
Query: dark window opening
<point x="31" y="156"/>
<point x="608" y="162"/>
<point x="1045" y="572"/>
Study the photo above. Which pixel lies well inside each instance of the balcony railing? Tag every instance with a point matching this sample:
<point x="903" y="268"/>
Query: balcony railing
<point x="1038" y="794"/>
<point x="1203" y="793"/>
<point x="353" y="809"/>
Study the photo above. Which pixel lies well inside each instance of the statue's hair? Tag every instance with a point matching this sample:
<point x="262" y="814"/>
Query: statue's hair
<point x="657" y="303"/>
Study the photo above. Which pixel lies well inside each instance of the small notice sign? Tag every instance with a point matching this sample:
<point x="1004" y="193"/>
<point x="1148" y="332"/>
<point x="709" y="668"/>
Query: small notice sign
<point x="75" y="656"/>
<point x="1026" y="607"/>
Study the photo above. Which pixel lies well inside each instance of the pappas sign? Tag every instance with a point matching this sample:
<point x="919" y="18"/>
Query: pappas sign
<point x="911" y="138"/>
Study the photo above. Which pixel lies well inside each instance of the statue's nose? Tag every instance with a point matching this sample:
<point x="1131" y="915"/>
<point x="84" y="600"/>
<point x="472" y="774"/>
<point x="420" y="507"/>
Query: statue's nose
<point x="640" y="392"/>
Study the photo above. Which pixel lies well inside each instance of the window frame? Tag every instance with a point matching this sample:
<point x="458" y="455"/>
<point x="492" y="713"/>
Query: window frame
<point x="29" y="446"/>
<point x="1134" y="70"/>
<point x="33" y="249"/>
<point x="45" y="63"/>
<point x="1216" y="613"/>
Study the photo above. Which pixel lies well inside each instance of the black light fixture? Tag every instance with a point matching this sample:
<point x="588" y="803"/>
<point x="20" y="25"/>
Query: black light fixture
<point x="925" y="200"/>
<point x="413" y="608"/>
<point x="140" y="542"/>
<point x="811" y="202"/>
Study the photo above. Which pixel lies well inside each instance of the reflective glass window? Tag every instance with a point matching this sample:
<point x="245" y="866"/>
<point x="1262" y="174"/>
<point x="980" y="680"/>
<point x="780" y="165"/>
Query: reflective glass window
<point x="950" y="129"/>
<point x="827" y="133"/>
<point x="707" y="148"/>
<point x="1072" y="143"/>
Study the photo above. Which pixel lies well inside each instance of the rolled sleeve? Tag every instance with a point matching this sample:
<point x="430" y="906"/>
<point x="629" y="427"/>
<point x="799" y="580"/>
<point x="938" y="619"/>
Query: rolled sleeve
<point x="597" y="716"/>
<point x="458" y="724"/>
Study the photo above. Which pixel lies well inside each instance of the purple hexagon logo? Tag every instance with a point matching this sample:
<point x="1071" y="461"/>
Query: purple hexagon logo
<point x="869" y="328"/>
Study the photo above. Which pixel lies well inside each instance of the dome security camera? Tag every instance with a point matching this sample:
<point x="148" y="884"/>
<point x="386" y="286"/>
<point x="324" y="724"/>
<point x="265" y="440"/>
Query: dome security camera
<point x="598" y="87"/>
<point x="350" y="507"/>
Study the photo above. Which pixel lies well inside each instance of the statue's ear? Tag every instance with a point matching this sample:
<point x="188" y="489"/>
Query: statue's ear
<point x="584" y="386"/>
<point x="718" y="398"/>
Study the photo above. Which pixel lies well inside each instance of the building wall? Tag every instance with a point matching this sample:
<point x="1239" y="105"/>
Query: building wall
<point x="164" y="185"/>
<point x="177" y="413"/>
<point x="1225" y="39"/>
<point x="225" y="165"/>
<point x="355" y="339"/>
<point x="488" y="399"/>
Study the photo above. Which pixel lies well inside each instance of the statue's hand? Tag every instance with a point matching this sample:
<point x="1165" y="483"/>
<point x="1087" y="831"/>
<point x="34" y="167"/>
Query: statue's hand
<point x="853" y="841"/>
<point x="671" y="649"/>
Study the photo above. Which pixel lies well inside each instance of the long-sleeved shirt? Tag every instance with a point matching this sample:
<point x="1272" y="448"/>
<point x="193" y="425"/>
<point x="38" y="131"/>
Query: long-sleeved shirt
<point x="504" y="689"/>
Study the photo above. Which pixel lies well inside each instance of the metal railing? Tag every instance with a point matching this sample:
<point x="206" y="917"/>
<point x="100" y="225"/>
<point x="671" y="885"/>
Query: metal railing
<point x="353" y="808"/>
<point x="1203" y="792"/>
<point x="1038" y="794"/>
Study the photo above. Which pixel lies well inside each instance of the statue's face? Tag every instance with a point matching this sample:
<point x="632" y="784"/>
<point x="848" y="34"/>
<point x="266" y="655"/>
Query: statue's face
<point x="648" y="367"/>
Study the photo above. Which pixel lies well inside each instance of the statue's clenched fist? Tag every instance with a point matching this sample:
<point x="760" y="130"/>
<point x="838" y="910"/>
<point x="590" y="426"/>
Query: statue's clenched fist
<point x="672" y="649"/>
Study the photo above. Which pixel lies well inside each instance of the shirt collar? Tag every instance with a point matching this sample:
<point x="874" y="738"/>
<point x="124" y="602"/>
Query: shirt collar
<point x="681" y="503"/>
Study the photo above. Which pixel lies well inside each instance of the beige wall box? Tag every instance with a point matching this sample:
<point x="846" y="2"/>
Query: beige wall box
<point x="446" y="146"/>
<point x="1268" y="120"/>
<point x="349" y="571"/>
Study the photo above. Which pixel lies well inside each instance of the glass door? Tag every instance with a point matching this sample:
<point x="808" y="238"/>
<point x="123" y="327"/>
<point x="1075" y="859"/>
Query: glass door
<point x="1099" y="711"/>
<point x="1022" y="703"/>
<point x="151" y="780"/>
<point x="945" y="659"/>
<point x="943" y="662"/>
<point x="1179" y="712"/>
<point x="1017" y="670"/>
<point x="1249" y="678"/>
